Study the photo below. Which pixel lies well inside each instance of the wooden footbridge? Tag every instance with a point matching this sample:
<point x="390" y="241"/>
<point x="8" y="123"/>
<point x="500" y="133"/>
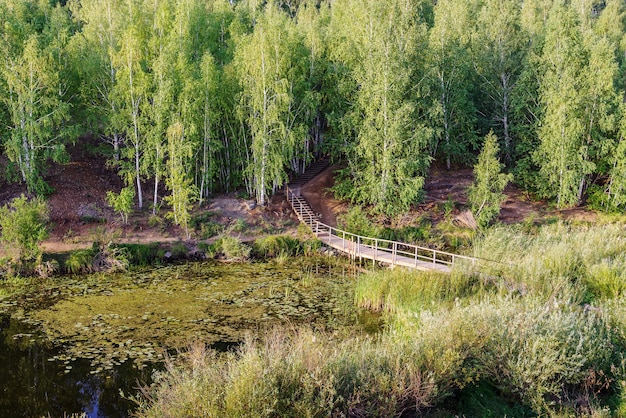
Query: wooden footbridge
<point x="379" y="250"/>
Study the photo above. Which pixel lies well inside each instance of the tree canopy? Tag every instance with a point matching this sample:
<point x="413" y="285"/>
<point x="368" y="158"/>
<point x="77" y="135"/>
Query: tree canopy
<point x="194" y="97"/>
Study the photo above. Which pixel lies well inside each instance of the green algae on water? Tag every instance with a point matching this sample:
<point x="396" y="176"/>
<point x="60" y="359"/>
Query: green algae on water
<point x="141" y="316"/>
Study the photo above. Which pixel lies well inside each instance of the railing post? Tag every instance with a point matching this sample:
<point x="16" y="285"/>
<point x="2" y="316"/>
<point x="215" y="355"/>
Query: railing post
<point x="416" y="256"/>
<point x="434" y="256"/>
<point x="376" y="249"/>
<point x="395" y="252"/>
<point x="358" y="246"/>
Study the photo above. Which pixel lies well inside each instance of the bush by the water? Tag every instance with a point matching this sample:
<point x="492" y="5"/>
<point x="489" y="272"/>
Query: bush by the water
<point x="23" y="225"/>
<point x="80" y="261"/>
<point x="274" y="245"/>
<point x="231" y="248"/>
<point x="294" y="374"/>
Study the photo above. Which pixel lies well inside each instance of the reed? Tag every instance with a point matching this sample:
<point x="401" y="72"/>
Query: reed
<point x="410" y="290"/>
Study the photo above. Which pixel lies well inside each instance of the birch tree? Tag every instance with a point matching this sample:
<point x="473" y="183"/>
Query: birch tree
<point x="579" y="103"/>
<point x="37" y="113"/>
<point x="453" y="115"/>
<point x="102" y="26"/>
<point x="390" y="154"/>
<point x="500" y="47"/>
<point x="131" y="87"/>
<point x="267" y="62"/>
<point x="179" y="182"/>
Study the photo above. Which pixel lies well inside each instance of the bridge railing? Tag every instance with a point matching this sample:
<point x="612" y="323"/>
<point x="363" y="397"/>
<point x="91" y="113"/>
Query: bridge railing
<point x="372" y="248"/>
<point x="386" y="250"/>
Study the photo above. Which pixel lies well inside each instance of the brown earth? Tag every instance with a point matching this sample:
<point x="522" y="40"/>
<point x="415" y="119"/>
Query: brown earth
<point x="78" y="209"/>
<point x="442" y="187"/>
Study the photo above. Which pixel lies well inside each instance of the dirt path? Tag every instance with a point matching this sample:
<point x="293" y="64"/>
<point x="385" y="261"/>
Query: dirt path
<point x="321" y="199"/>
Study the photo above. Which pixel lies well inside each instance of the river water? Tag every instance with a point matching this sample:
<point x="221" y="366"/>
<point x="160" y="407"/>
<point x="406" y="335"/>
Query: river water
<point x="86" y="344"/>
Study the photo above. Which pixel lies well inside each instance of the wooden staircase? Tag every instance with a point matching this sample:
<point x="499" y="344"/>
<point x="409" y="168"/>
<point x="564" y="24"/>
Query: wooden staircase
<point x="311" y="171"/>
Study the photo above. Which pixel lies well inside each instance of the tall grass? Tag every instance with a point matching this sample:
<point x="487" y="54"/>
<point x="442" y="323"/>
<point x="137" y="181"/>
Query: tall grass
<point x="295" y="374"/>
<point x="275" y="245"/>
<point x="592" y="258"/>
<point x="401" y="289"/>
<point x="542" y="353"/>
<point x="80" y="261"/>
<point x="549" y="356"/>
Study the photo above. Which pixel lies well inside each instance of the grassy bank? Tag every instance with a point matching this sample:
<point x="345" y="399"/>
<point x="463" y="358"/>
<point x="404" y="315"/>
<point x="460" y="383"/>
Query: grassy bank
<point x="542" y="335"/>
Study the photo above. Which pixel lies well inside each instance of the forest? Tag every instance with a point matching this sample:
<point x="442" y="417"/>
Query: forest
<point x="193" y="101"/>
<point x="188" y="98"/>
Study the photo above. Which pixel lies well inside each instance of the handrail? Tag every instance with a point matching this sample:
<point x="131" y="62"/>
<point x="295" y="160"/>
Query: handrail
<point x="357" y="243"/>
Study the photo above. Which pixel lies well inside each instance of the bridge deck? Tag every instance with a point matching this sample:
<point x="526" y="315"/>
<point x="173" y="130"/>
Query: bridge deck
<point x="371" y="253"/>
<point x="384" y="251"/>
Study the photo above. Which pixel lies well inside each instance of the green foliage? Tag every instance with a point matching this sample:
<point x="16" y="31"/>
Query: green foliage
<point x="238" y="225"/>
<point x="155" y="221"/>
<point x="557" y="256"/>
<point x="579" y="105"/>
<point x="79" y="261"/>
<point x="206" y="97"/>
<point x="36" y="104"/>
<point x="271" y="63"/>
<point x="122" y="202"/>
<point x="140" y="255"/>
<point x="23" y="225"/>
<point x="357" y="222"/>
<point x="450" y="80"/>
<point x="178" y="181"/>
<point x="275" y="245"/>
<point x="389" y="156"/>
<point x="486" y="193"/>
<point x="287" y="375"/>
<point x="233" y="249"/>
<point x="179" y="250"/>
<point x="409" y="290"/>
<point x="204" y="226"/>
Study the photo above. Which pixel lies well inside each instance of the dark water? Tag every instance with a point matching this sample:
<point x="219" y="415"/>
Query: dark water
<point x="33" y="386"/>
<point x="44" y="378"/>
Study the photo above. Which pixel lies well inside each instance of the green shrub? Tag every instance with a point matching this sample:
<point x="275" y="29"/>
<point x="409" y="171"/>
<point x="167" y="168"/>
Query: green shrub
<point x="204" y="226"/>
<point x="547" y="357"/>
<point x="210" y="229"/>
<point x="156" y="221"/>
<point x="23" y="225"/>
<point x="297" y="374"/>
<point x="80" y="261"/>
<point x="210" y="250"/>
<point x="122" y="202"/>
<point x="357" y="222"/>
<point x="238" y="226"/>
<point x="274" y="245"/>
<point x="179" y="250"/>
<point x="233" y="249"/>
<point x="140" y="255"/>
